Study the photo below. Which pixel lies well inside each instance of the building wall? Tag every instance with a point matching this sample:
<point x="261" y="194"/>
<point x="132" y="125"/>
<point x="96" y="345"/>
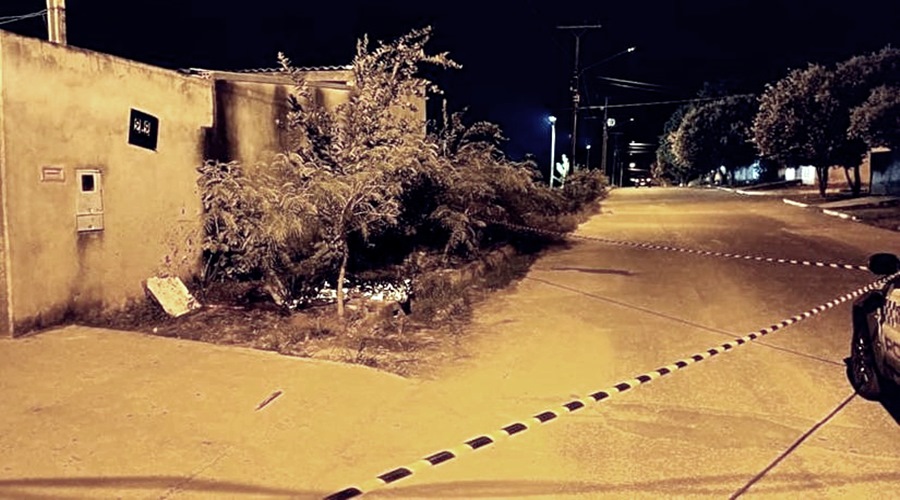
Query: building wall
<point x="69" y="108"/>
<point x="251" y="111"/>
<point x="885" y="166"/>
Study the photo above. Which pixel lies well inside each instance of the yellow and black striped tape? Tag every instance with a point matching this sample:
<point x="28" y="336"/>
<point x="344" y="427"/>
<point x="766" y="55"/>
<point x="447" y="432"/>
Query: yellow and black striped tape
<point x="577" y="404"/>
<point x="708" y="253"/>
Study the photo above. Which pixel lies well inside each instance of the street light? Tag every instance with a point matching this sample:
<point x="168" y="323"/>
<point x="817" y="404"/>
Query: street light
<point x="587" y="161"/>
<point x="552" y="121"/>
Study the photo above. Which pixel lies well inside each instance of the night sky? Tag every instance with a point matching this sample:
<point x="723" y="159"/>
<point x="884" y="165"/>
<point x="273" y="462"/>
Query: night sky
<point x="517" y="65"/>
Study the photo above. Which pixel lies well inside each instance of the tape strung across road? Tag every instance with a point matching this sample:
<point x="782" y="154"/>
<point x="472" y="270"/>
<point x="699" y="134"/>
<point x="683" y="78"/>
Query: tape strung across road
<point x="596" y="397"/>
<point x="708" y="253"/>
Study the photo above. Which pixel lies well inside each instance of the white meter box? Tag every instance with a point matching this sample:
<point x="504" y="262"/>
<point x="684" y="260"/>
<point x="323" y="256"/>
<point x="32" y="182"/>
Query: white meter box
<point x="89" y="200"/>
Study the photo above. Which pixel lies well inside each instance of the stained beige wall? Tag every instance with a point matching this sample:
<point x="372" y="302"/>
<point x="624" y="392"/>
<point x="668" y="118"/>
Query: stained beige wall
<point x="67" y="107"/>
<point x="251" y="115"/>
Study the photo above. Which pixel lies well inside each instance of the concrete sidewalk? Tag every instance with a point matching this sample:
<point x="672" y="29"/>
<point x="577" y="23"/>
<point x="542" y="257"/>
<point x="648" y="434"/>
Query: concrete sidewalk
<point x="92" y="413"/>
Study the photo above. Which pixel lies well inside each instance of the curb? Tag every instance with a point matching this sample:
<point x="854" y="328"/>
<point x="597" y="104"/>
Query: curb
<point x="751" y="193"/>
<point x="835" y="213"/>
<point x="826" y="211"/>
<point x="795" y="203"/>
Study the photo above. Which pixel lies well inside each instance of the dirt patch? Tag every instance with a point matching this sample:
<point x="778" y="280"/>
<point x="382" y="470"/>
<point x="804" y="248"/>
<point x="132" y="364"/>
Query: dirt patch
<point x="407" y="339"/>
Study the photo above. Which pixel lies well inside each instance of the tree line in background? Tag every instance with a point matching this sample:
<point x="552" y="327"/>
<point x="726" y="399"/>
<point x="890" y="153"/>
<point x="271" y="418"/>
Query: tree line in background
<point x="826" y="117"/>
<point x="365" y="188"/>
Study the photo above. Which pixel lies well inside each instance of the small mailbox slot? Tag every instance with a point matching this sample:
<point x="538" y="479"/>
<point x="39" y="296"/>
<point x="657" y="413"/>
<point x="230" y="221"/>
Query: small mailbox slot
<point x="87" y="183"/>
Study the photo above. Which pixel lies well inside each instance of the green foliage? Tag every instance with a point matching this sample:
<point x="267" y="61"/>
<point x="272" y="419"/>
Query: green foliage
<point x="870" y="85"/>
<point x="716" y="133"/>
<point x="364" y="180"/>
<point x="798" y="122"/>
<point x="351" y="158"/>
<point x="253" y="221"/>
<point x="877" y="120"/>
<point x="584" y="187"/>
<point x="805" y="118"/>
<point x="670" y="167"/>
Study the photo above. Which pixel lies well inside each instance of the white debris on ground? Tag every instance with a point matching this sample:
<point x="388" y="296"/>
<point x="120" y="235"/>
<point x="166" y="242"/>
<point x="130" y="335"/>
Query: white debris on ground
<point x="380" y="291"/>
<point x="171" y="294"/>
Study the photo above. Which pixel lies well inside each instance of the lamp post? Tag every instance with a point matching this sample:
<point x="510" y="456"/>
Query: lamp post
<point x="552" y="121"/>
<point x="587" y="161"/>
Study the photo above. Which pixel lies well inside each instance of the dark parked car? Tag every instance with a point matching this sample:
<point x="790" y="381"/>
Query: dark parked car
<point x="642" y="181"/>
<point x="874" y="362"/>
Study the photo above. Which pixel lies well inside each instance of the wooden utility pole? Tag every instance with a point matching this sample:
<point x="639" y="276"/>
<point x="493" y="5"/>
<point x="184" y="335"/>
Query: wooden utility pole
<point x="56" y="21"/>
<point x="576" y="96"/>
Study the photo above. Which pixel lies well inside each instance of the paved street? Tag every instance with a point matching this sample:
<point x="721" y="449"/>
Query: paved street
<point x="104" y="415"/>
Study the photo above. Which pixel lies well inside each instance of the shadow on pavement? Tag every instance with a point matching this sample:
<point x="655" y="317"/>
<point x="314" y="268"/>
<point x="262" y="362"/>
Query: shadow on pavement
<point x="29" y="488"/>
<point x="717" y="485"/>
<point x="619" y="272"/>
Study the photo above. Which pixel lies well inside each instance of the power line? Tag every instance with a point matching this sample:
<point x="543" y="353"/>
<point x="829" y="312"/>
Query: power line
<point x="12" y="19"/>
<point x="656" y="103"/>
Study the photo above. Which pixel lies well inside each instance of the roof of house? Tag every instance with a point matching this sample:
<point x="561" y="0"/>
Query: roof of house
<point x="335" y="77"/>
<point x="211" y="73"/>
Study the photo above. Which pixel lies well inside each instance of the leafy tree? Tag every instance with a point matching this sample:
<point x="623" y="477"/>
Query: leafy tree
<point x="871" y="86"/>
<point x="877" y="120"/>
<point x="805" y="118"/>
<point x="798" y="124"/>
<point x="349" y="160"/>
<point x="716" y="133"/>
<point x="854" y="81"/>
<point x="669" y="165"/>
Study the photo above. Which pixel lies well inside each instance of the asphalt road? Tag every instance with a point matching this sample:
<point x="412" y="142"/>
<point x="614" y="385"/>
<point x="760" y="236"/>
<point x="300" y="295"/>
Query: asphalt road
<point x="593" y="314"/>
<point x="89" y="413"/>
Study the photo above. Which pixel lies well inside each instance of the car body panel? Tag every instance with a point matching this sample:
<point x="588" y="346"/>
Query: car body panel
<point x="886" y="345"/>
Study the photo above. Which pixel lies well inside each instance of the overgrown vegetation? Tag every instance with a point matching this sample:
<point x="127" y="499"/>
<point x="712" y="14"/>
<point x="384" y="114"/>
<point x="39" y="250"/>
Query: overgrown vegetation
<point x="367" y="192"/>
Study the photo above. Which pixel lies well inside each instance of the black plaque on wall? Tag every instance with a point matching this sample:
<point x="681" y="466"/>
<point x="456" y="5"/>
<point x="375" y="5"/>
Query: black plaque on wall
<point x="143" y="130"/>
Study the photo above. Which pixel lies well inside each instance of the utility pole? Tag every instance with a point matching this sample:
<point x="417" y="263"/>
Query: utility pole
<point x="605" y="139"/>
<point x="56" y="21"/>
<point x="576" y="97"/>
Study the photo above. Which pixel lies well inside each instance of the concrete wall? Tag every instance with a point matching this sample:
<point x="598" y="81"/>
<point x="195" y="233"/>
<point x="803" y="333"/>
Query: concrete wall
<point x="69" y="108"/>
<point x="251" y="110"/>
<point x="885" y="166"/>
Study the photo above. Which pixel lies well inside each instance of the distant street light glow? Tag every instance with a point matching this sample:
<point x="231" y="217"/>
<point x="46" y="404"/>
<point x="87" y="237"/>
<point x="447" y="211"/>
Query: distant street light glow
<point x="552" y="120"/>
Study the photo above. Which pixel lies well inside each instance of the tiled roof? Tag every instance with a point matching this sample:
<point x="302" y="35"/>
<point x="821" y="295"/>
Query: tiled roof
<point x="206" y="73"/>
<point x="306" y="68"/>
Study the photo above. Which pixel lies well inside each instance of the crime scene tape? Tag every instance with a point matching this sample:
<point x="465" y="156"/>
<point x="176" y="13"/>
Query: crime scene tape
<point x="596" y="397"/>
<point x="708" y="253"/>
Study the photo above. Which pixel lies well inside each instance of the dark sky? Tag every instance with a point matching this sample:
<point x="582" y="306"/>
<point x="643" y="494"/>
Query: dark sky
<point x="517" y="65"/>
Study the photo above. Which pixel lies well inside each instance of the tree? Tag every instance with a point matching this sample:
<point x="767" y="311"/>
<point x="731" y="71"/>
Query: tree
<point x="798" y="123"/>
<point x="854" y="81"/>
<point x="716" y="134"/>
<point x="871" y="86"/>
<point x="479" y="183"/>
<point x="805" y="118"/>
<point x="349" y="160"/>
<point x="877" y="120"/>
<point x="669" y="165"/>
